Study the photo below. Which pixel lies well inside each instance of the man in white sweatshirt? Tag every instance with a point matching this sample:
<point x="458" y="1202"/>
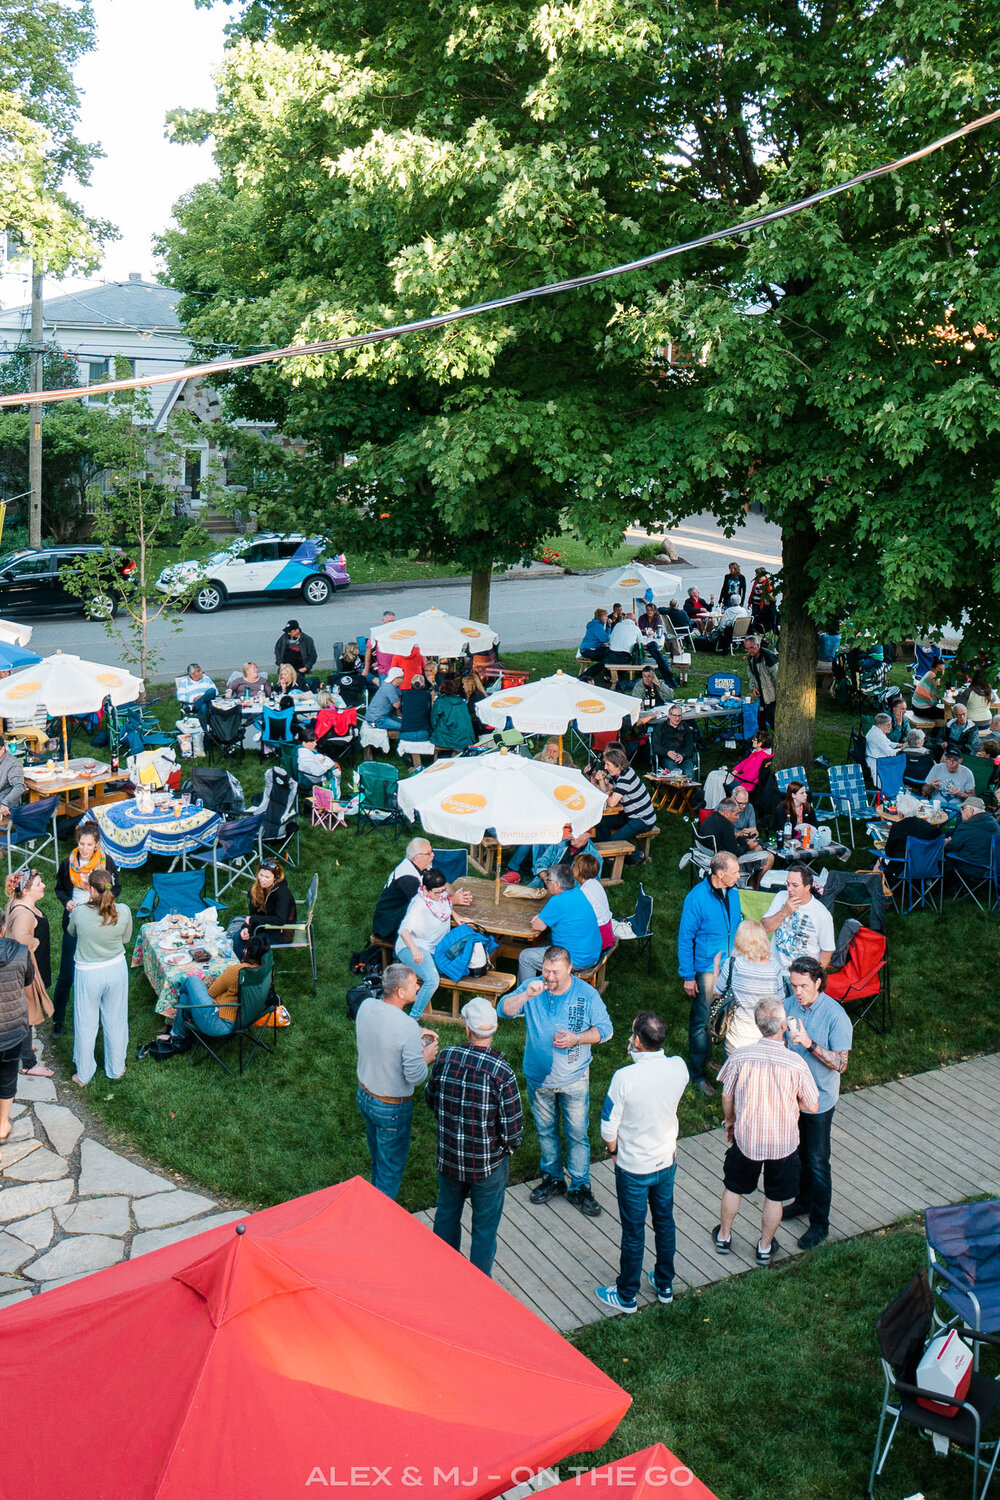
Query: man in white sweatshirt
<point x="639" y="1127"/>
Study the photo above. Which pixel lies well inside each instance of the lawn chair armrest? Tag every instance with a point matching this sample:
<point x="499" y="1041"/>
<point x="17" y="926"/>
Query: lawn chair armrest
<point x="978" y="1336"/>
<point x="280" y="927"/>
<point x="906" y="1389"/>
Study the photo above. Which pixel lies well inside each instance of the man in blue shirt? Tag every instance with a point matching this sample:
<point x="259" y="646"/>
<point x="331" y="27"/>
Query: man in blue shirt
<point x="570" y="919"/>
<point x="709" y="919"/>
<point x="565" y="1018"/>
<point x="820" y="1031"/>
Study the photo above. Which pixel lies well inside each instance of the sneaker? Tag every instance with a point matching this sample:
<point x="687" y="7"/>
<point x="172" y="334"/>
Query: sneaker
<point x="549" y="1187"/>
<point x="764" y="1257"/>
<point x="794" y="1210"/>
<point x="583" y="1199"/>
<point x="722" y="1246"/>
<point x="706" y="1088"/>
<point x="609" y="1296"/>
<point x="665" y="1297"/>
<point x="814" y="1235"/>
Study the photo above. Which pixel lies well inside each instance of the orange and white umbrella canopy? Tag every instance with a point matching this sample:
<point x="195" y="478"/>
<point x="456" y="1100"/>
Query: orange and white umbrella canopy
<point x="632" y="583"/>
<point x="551" y="704"/>
<point x="435" y="633"/>
<point x="65" y="685"/>
<point x="521" y="801"/>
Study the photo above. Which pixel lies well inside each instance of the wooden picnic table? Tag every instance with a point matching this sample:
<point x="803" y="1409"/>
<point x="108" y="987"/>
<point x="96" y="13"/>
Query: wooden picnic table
<point x="509" y="921"/>
<point x="672" y="793"/>
<point x="93" y="788"/>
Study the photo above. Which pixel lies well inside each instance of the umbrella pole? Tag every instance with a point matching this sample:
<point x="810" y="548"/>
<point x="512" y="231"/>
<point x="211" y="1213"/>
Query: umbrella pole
<point x="65" y="745"/>
<point x="496" y="887"/>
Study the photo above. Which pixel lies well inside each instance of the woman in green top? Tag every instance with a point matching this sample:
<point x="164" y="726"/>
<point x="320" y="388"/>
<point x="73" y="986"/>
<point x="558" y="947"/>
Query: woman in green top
<point x="101" y="927"/>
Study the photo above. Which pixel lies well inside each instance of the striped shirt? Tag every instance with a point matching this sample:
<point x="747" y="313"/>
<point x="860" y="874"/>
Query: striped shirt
<point x="636" y="801"/>
<point x="768" y="1085"/>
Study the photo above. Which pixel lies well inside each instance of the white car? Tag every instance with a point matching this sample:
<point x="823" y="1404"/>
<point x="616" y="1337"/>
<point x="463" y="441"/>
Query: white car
<point x="263" y="565"/>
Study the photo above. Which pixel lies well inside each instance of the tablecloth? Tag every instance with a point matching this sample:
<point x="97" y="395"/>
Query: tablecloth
<point x="167" y="976"/>
<point x="130" y="836"/>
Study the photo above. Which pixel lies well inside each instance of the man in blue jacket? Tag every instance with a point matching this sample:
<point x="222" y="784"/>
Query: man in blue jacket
<point x="709" y="919"/>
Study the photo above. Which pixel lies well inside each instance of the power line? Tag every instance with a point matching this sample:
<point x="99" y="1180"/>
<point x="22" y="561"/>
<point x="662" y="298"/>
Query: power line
<point x="440" y="320"/>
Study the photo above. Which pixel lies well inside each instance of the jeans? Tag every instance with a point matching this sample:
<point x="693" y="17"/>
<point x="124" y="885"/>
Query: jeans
<point x="653" y="650"/>
<point x="199" y="706"/>
<point x="520" y="857"/>
<point x="699" y="1036"/>
<point x="9" y="1060"/>
<point x="487" y="1198"/>
<point x="207" y="1020"/>
<point x="636" y="1191"/>
<point x="815" y="1176"/>
<point x="101" y="999"/>
<point x="64" y="980"/>
<point x="386" y="721"/>
<point x="426" y="973"/>
<point x="572" y="1103"/>
<point x="387" y="1127"/>
<point x="616" y="826"/>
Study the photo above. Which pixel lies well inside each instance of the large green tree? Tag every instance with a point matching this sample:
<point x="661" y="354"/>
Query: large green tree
<point x="380" y="163"/>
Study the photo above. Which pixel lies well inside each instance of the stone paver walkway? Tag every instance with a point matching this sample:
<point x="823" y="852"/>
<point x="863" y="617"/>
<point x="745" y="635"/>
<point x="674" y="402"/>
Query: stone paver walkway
<point x="897" y="1148"/>
<point x="70" y="1206"/>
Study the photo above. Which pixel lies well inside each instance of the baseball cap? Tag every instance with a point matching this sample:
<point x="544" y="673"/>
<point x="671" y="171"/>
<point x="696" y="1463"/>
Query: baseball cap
<point x="976" y="804"/>
<point x="479" y="1015"/>
<point x="293" y="625"/>
<point x="393" y="673"/>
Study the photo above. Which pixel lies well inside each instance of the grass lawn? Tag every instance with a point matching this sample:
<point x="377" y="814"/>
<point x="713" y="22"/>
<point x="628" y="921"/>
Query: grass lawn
<point x="769" y="1385"/>
<point x="291" y="1126"/>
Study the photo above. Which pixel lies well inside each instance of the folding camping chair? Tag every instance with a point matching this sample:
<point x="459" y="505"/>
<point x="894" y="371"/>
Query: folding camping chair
<point x="791" y="773"/>
<point x="217" y="789"/>
<point x="453" y="863"/>
<point x="33" y="823"/>
<point x="301" y="932"/>
<point x="865" y="977"/>
<point x="326" y="810"/>
<point x="275" y="726"/>
<point x="923" y="869"/>
<point x="638" y="928"/>
<point x="903" y="1331"/>
<point x="973" y="878"/>
<point x="963" y="1258"/>
<point x="377" y="804"/>
<point x="890" y="772"/>
<point x="278" y="812"/>
<point x="849" y="797"/>
<point x="232" y="850"/>
<point x="741" y="629"/>
<point x="254" y="989"/>
<point x="723" y="684"/>
<point x="180" y="891"/>
<point x="224" y="728"/>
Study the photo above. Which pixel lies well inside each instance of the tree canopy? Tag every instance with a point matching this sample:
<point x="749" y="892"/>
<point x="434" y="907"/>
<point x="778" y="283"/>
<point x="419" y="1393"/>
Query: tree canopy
<point x="379" y="163"/>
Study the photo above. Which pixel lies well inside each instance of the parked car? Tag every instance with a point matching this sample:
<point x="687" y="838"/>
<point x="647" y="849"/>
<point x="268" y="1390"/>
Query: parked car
<point x="34" y="580"/>
<point x="267" y="564"/>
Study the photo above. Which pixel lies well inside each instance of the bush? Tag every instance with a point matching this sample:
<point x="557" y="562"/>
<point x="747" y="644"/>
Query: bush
<point x="649" y="553"/>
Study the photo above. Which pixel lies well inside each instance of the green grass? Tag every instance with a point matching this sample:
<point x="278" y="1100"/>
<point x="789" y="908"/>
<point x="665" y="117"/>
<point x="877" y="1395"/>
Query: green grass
<point x="769" y="1385"/>
<point x="291" y="1126"/>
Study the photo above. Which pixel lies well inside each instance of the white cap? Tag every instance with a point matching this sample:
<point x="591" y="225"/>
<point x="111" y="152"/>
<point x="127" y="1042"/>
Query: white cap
<point x="479" y="1015"/>
<point x="393" y="673"/>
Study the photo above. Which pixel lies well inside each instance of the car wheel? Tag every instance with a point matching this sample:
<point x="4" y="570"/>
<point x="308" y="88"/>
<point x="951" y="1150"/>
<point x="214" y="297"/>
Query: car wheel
<point x="208" y="598"/>
<point x="102" y="607"/>
<point x="316" y="590"/>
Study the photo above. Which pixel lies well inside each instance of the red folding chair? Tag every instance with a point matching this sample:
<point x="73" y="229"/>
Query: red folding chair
<point x="865" y="976"/>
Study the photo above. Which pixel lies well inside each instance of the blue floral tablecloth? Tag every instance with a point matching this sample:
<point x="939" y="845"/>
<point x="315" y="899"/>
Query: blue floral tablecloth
<point x="130" y="836"/>
<point x="166" y="966"/>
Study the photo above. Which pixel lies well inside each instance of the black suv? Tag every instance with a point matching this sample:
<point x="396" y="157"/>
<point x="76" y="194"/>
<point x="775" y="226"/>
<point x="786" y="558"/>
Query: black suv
<point x="32" y="581"/>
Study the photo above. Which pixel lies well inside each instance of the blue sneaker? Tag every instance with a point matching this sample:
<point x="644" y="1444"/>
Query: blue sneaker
<point x="665" y="1297"/>
<point x="609" y="1296"/>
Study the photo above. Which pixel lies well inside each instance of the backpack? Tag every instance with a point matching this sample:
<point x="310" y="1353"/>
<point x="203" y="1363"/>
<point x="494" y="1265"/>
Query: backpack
<point x="453" y="954"/>
<point x="371" y="989"/>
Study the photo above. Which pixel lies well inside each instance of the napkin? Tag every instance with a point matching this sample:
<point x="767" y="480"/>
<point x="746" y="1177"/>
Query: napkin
<point x="209" y="917"/>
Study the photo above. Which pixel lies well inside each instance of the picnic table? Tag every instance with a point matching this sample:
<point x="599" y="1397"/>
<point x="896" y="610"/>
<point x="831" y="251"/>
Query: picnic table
<point x="673" y="793"/>
<point x="693" y="709"/>
<point x="88" y="778"/>
<point x="509" y="921"/>
<point x="163" y="950"/>
<point x="131" y="836"/>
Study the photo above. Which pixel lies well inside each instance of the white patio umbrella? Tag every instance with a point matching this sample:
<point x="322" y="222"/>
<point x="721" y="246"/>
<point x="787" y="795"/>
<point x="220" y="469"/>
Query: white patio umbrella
<point x="522" y="801"/>
<point x="551" y="704"/>
<point x="435" y="633"/>
<point x="633" y="582"/>
<point x="64" y="685"/>
<point x="16" y="635"/>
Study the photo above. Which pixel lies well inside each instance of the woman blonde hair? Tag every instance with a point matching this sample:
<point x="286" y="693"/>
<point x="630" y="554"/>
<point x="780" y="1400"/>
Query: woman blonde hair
<point x="287" y="677"/>
<point x="751" y="942"/>
<point x="101" y="882"/>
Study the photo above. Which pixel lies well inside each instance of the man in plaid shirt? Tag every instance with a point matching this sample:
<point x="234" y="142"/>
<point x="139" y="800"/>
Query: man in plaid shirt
<point x="474" y="1095"/>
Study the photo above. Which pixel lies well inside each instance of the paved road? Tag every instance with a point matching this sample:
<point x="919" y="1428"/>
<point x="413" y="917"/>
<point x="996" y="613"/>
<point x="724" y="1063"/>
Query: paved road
<point x="529" y="613"/>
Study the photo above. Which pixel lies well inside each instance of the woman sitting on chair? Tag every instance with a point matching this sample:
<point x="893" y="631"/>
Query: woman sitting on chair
<point x="270" y="904"/>
<point x="794" y="807"/>
<point x="213" y="1009"/>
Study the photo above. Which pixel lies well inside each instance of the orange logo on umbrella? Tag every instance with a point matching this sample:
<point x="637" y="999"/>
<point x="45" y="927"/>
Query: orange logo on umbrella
<point x="109" y="679"/>
<point x="508" y="701"/>
<point x="590" y="706"/>
<point x="573" y="799"/>
<point x="402" y="635"/>
<point x="470" y="630"/>
<point x="623" y="581"/>
<point x="23" y="690"/>
<point x="463" y="802"/>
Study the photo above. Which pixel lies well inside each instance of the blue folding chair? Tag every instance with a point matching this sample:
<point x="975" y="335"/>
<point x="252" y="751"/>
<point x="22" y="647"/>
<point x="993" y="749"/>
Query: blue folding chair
<point x="923" y="869"/>
<point x="641" y="923"/>
<point x="722" y="683"/>
<point x="232" y="850"/>
<point x="180" y="891"/>
<point x="750" y="715"/>
<point x="891" y="769"/>
<point x="974" y="878"/>
<point x="275" y="728"/>
<point x="963" y="1254"/>
<point x="34" y="823"/>
<point x="849" y="797"/>
<point x="792" y="773"/>
<point x="453" y="863"/>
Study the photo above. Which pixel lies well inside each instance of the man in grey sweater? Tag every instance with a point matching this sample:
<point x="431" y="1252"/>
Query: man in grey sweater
<point x="11" y="783"/>
<point x="394" y="1055"/>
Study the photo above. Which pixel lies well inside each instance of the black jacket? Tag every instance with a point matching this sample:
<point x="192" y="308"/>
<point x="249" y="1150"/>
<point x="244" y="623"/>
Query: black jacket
<point x="15" y="973"/>
<point x="304" y="657"/>
<point x="912" y="828"/>
<point x="415" y="711"/>
<point x="722" y="831"/>
<point x="972" y="840"/>
<point x="664" y="737"/>
<point x="736" y="581"/>
<point x="278" y="908"/>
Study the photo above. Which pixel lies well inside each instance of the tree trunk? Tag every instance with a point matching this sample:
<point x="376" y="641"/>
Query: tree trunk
<point x="795" y="711"/>
<point x="479" y="595"/>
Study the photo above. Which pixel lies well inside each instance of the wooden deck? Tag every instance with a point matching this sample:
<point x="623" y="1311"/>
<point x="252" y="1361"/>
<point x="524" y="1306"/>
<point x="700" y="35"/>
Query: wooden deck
<point x="897" y="1148"/>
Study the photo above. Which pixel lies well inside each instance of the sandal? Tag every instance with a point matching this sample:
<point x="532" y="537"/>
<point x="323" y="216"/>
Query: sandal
<point x="37" y="1072"/>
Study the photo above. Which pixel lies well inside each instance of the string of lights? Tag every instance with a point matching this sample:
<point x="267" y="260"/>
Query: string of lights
<point x="550" y="289"/>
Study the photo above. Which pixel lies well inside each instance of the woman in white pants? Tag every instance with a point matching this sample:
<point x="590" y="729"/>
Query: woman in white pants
<point x="101" y="927"/>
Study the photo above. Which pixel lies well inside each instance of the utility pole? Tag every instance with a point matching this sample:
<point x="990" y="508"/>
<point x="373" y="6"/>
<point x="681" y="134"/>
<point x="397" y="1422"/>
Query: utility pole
<point x="35" y="411"/>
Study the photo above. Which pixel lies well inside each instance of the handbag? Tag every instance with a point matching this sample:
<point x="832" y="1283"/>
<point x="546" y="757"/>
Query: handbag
<point x="722" y="1009"/>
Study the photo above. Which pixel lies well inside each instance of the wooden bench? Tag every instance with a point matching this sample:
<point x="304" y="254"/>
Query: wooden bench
<point x="628" y="669"/>
<point x="614" y="850"/>
<point x="484" y="855"/>
<point x="369" y="750"/>
<point x="597" y="975"/>
<point x="491" y="986"/>
<point x="824" y="675"/>
<point x="642" y="840"/>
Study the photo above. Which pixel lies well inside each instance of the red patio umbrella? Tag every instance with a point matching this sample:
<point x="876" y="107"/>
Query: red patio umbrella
<point x="334" y="1343"/>
<point x="653" y="1474"/>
